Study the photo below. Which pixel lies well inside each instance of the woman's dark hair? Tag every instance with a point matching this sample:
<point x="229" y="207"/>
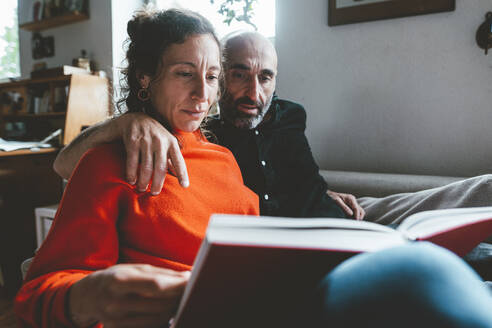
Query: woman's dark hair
<point x="150" y="33"/>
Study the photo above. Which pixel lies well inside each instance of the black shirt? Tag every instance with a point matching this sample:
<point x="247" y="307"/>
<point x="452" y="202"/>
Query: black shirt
<point x="276" y="163"/>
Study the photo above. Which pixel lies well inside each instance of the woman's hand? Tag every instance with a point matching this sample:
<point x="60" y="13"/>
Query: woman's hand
<point x="127" y="295"/>
<point x="147" y="142"/>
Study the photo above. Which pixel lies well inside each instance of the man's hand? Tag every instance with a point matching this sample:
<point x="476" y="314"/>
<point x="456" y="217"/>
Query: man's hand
<point x="147" y="142"/>
<point x="349" y="204"/>
<point x="127" y="295"/>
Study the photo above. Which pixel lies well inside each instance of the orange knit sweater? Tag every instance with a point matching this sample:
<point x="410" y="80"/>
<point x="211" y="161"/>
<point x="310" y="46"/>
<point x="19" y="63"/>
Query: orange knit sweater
<point x="102" y="220"/>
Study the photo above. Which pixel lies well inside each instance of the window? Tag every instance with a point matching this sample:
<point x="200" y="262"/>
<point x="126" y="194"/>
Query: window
<point x="9" y="40"/>
<point x="263" y="15"/>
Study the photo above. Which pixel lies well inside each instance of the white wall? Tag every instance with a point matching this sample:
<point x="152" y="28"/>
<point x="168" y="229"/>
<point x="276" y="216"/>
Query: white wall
<point x="408" y="95"/>
<point x="93" y="35"/>
<point x="122" y="12"/>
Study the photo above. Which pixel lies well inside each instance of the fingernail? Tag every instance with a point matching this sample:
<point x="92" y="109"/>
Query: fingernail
<point x="185" y="183"/>
<point x="131" y="181"/>
<point x="154" y="193"/>
<point x="144" y="189"/>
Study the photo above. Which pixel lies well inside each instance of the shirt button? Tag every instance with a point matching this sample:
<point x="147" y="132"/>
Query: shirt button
<point x="263" y="163"/>
<point x="256" y="132"/>
<point x="266" y="197"/>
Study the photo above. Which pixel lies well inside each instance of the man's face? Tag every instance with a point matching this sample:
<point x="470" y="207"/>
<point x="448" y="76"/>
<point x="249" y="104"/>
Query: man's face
<point x="250" y="74"/>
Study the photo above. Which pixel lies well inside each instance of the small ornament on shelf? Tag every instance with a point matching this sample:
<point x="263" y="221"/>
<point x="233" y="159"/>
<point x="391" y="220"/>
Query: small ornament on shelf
<point x="82" y="61"/>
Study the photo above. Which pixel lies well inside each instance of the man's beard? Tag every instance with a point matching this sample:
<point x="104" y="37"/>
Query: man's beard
<point x="230" y="112"/>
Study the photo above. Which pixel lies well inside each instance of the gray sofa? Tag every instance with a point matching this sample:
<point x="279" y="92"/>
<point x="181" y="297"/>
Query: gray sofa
<point x="363" y="184"/>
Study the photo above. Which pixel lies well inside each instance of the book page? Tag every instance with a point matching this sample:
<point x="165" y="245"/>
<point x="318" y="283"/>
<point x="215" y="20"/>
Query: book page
<point x="244" y="221"/>
<point x="16" y="145"/>
<point x="428" y="223"/>
<point x="337" y="234"/>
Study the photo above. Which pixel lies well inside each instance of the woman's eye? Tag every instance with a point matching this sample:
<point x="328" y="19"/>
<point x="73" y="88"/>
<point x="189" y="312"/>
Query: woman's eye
<point x="212" y="77"/>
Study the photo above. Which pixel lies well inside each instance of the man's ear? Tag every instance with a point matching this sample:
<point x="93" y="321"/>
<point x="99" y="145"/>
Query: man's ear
<point x="143" y="79"/>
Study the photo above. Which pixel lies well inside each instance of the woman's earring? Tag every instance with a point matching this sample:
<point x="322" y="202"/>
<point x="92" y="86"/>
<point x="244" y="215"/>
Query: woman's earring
<point x="143" y="94"/>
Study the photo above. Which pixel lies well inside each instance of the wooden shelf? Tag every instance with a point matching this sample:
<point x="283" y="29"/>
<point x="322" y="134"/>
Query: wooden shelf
<point x="28" y="152"/>
<point x="42" y="80"/>
<point x="21" y="116"/>
<point x="55" y="21"/>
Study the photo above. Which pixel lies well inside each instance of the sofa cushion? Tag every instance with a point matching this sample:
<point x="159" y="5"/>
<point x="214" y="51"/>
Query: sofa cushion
<point x="363" y="184"/>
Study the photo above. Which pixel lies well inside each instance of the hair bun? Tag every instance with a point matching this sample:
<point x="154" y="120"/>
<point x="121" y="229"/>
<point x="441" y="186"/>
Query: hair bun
<point x="135" y="25"/>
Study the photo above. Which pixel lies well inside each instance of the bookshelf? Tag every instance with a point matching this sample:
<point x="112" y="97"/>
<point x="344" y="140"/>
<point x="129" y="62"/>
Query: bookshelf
<point x="37" y="107"/>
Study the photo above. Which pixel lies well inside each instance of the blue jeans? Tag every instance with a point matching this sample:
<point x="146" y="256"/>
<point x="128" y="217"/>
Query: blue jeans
<point x="416" y="285"/>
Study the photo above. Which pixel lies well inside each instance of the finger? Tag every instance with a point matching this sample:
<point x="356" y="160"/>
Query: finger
<point x="344" y="207"/>
<point x="146" y="166"/>
<point x="179" y="164"/>
<point x="160" y="170"/>
<point x="132" y="153"/>
<point x="363" y="213"/>
<point x="151" y="285"/>
<point x="350" y="201"/>
<point x="359" y="212"/>
<point x="171" y="168"/>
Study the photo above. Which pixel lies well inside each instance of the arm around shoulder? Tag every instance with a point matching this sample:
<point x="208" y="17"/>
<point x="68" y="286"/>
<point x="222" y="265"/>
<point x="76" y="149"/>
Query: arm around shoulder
<point x="100" y="133"/>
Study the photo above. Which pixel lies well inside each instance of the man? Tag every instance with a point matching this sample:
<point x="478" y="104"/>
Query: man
<point x="266" y="135"/>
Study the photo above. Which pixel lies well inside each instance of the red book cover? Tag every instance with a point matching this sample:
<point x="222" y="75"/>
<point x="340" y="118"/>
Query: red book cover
<point x="252" y="268"/>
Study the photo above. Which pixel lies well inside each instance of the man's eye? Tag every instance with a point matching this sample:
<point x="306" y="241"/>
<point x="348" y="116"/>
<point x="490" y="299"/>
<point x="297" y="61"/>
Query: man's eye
<point x="238" y="75"/>
<point x="265" y="78"/>
<point x="184" y="74"/>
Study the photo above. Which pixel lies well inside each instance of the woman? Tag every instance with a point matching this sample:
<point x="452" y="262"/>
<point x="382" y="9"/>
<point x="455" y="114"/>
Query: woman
<point x="87" y="271"/>
<point x="173" y="70"/>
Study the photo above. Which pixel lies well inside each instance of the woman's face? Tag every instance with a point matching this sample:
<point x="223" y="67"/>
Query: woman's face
<point x="187" y="84"/>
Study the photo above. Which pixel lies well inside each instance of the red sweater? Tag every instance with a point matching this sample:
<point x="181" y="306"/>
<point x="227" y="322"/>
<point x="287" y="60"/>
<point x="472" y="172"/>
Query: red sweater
<point x="102" y="220"/>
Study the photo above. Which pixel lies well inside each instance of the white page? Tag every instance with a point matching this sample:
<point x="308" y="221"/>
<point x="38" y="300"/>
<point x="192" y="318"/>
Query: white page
<point x="16" y="145"/>
<point x="430" y="222"/>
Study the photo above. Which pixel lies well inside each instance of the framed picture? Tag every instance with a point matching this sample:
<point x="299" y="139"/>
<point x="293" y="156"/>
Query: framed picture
<point x="75" y="5"/>
<point x="355" y="11"/>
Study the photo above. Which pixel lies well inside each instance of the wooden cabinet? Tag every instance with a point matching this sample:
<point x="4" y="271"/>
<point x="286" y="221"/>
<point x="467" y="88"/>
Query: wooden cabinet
<point x="32" y="109"/>
<point x="27" y="179"/>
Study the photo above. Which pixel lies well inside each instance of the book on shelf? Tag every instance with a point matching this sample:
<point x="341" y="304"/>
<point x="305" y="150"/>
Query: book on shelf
<point x="245" y="265"/>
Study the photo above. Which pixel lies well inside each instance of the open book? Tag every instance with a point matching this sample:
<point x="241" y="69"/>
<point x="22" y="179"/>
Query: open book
<point x="247" y="265"/>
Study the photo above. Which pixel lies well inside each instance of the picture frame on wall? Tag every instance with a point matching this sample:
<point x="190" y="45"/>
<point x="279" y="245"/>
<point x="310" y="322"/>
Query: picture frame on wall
<point x="342" y="12"/>
<point x="75" y="5"/>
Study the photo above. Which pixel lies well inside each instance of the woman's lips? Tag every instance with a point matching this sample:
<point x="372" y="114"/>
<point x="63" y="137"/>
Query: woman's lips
<point x="193" y="113"/>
